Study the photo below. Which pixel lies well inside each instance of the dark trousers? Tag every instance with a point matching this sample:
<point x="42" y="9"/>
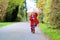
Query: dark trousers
<point x="32" y="28"/>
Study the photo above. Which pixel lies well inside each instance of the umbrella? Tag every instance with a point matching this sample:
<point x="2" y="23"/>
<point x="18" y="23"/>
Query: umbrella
<point x="30" y="11"/>
<point x="39" y="11"/>
<point x="34" y="10"/>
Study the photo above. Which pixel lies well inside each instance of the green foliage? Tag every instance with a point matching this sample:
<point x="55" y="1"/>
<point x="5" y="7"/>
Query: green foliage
<point x="45" y="5"/>
<point x="9" y="6"/>
<point x="12" y="5"/>
<point x="55" y="13"/>
<point x="53" y="34"/>
<point x="17" y="2"/>
<point x="47" y="11"/>
<point x="4" y="23"/>
<point x="51" y="11"/>
<point x="40" y="4"/>
<point x="22" y="13"/>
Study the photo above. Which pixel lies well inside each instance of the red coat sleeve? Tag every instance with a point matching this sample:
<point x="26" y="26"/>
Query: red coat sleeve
<point x="31" y="19"/>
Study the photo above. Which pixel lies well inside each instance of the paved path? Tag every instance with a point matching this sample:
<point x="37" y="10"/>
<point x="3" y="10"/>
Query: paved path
<point x="20" y="31"/>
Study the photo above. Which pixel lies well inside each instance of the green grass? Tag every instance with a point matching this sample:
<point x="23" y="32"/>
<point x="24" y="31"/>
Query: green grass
<point x="52" y="33"/>
<point x="4" y="23"/>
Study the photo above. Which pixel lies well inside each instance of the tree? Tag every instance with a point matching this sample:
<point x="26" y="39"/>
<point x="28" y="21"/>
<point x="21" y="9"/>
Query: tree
<point x="55" y="13"/>
<point x="7" y="7"/>
<point x="3" y="7"/>
<point x="41" y="5"/>
<point x="51" y="12"/>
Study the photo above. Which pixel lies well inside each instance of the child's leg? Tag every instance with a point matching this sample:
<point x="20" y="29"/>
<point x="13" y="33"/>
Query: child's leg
<point x="32" y="29"/>
<point x="35" y="25"/>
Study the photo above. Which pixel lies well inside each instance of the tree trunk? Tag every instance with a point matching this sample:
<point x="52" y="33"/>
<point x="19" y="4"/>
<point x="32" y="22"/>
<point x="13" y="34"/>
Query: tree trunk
<point x="55" y="13"/>
<point x="3" y="7"/>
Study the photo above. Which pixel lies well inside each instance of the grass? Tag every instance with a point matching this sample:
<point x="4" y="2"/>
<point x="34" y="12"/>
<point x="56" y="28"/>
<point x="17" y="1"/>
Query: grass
<point x="4" y="23"/>
<point x="54" y="34"/>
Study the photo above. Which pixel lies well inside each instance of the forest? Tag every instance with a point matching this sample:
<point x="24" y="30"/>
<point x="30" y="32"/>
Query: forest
<point x="12" y="10"/>
<point x="51" y="17"/>
<point x="51" y="11"/>
<point x="16" y="11"/>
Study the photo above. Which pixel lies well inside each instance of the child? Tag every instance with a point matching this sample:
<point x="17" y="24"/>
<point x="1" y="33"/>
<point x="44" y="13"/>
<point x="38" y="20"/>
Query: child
<point x="33" y="21"/>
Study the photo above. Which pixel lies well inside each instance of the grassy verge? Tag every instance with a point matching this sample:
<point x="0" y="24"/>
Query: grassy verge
<point x="52" y="33"/>
<point x="4" y="23"/>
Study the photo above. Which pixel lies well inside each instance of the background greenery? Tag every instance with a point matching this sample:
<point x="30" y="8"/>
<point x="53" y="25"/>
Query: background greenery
<point x="54" y="34"/>
<point x="51" y="18"/>
<point x="5" y="23"/>
<point x="10" y="11"/>
<point x="51" y="11"/>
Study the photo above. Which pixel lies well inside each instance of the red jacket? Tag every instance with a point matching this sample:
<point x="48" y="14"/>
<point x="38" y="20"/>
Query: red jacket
<point x="35" y="20"/>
